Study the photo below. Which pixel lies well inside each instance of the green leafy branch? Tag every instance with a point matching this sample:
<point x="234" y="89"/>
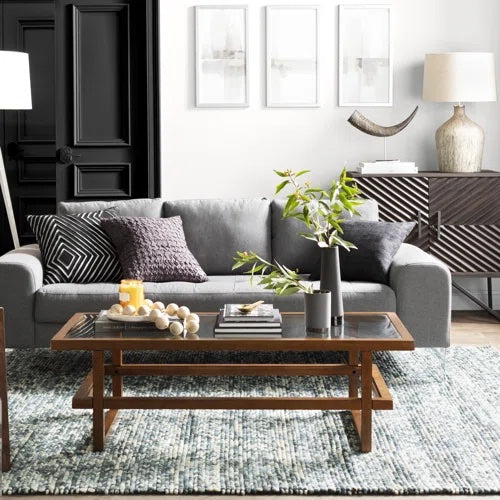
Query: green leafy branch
<point x="320" y="209"/>
<point x="275" y="276"/>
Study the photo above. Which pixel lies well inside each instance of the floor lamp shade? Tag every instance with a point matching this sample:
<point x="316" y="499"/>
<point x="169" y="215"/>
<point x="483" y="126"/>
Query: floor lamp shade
<point x="460" y="77"/>
<point x="15" y="93"/>
<point x="15" y="86"/>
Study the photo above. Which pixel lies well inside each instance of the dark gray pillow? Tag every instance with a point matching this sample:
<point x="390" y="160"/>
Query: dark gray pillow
<point x="152" y="249"/>
<point x="377" y="244"/>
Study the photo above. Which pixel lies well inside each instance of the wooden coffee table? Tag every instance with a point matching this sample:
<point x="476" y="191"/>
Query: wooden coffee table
<point x="360" y="336"/>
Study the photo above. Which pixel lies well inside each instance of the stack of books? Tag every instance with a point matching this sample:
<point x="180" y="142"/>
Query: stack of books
<point x="387" y="167"/>
<point x="263" y="322"/>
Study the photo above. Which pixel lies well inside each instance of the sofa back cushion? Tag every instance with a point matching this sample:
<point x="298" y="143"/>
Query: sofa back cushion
<point x="216" y="229"/>
<point x="140" y="207"/>
<point x="296" y="252"/>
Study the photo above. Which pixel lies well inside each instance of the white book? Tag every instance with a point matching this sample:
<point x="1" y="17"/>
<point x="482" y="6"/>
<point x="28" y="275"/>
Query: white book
<point x="386" y="163"/>
<point x="386" y="169"/>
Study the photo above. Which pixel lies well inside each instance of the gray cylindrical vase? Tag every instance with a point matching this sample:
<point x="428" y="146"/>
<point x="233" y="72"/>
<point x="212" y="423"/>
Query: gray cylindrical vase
<point x="330" y="280"/>
<point x="317" y="311"/>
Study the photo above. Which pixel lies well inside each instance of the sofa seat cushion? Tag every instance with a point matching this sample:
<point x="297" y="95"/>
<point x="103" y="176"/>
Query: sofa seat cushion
<point x="216" y="229"/>
<point x="56" y="303"/>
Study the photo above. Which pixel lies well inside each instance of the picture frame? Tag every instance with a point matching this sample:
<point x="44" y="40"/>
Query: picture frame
<point x="221" y="56"/>
<point x="292" y="56"/>
<point x="365" y="60"/>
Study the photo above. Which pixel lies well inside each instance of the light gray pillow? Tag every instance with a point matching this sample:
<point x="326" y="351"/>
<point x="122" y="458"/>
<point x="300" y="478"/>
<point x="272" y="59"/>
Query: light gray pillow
<point x="153" y="249"/>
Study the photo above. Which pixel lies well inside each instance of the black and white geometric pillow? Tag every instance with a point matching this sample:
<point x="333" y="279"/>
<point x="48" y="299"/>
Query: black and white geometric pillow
<point x="75" y="249"/>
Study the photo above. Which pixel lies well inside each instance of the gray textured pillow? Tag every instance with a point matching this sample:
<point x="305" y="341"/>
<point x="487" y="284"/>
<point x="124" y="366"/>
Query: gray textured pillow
<point x="152" y="249"/>
<point x="377" y="244"/>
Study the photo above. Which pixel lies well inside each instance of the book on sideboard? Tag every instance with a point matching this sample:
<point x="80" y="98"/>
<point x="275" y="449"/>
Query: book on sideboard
<point x="387" y="167"/>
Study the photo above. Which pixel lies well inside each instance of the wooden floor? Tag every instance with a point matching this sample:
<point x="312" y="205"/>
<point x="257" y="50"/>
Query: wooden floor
<point x="468" y="328"/>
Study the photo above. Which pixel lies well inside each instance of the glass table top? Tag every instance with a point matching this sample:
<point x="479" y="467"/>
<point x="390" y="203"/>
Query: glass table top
<point x="377" y="326"/>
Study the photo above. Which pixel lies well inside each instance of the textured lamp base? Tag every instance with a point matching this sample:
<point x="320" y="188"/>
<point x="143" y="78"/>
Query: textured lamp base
<point x="459" y="143"/>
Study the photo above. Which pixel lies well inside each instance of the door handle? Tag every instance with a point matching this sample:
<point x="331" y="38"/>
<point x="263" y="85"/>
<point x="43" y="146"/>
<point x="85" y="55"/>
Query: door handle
<point x="438" y="227"/>
<point x="66" y="155"/>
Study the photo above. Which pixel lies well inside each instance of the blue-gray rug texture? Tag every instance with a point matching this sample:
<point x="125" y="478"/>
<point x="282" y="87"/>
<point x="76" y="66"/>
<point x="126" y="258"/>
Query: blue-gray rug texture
<point x="442" y="436"/>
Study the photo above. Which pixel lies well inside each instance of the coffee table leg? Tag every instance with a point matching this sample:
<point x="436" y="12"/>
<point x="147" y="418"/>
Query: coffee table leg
<point x="117" y="360"/>
<point x="366" y="401"/>
<point x="97" y="399"/>
<point x="353" y="379"/>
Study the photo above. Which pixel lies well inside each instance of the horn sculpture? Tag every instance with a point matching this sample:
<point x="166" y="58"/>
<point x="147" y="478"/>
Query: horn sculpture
<point x="368" y="127"/>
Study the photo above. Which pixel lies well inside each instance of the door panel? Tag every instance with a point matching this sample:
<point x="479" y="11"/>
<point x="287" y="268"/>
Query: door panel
<point x="28" y="141"/>
<point x="102" y="75"/>
<point x="456" y="201"/>
<point x="105" y="102"/>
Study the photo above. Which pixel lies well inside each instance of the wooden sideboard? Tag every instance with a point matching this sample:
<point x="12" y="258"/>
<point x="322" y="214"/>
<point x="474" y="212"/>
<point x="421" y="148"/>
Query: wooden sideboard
<point x="457" y="216"/>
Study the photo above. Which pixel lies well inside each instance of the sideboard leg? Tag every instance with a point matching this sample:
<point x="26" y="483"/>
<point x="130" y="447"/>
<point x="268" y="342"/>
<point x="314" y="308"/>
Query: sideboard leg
<point x="474" y="299"/>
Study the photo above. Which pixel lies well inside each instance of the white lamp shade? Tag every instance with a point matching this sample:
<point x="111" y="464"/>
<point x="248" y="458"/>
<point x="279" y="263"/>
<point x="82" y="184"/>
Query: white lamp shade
<point x="15" y="86"/>
<point x="460" y="77"/>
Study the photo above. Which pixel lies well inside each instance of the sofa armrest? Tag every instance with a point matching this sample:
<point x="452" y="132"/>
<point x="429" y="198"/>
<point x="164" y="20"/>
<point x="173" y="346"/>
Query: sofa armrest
<point x="422" y="285"/>
<point x="21" y="275"/>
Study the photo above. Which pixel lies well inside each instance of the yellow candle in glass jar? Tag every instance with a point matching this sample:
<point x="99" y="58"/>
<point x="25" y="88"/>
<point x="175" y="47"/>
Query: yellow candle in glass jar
<point x="131" y="292"/>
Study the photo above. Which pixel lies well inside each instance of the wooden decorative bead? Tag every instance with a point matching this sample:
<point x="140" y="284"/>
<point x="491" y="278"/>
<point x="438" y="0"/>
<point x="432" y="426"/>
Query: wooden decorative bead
<point x="192" y="326"/>
<point x="193" y="317"/>
<point x="172" y="309"/>
<point x="129" y="310"/>
<point x="144" y="310"/>
<point x="154" y="314"/>
<point x="183" y="312"/>
<point x="176" y="328"/>
<point x="162" y="322"/>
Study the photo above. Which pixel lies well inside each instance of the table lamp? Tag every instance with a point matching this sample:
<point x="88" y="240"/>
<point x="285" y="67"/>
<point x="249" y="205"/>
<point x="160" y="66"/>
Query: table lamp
<point x="459" y="77"/>
<point x="15" y="93"/>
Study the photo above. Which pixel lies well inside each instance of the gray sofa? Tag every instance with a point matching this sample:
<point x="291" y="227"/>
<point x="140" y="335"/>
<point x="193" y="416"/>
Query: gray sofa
<point x="419" y="286"/>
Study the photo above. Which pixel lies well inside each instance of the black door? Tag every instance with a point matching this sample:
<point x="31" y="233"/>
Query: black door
<point x="106" y="99"/>
<point x="27" y="137"/>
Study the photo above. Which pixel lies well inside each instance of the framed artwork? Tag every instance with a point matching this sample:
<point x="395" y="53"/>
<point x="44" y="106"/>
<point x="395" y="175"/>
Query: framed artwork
<point x="292" y="56"/>
<point x="221" y="55"/>
<point x="365" y="55"/>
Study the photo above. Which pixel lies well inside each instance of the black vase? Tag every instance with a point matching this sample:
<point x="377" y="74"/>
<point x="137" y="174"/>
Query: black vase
<point x="330" y="280"/>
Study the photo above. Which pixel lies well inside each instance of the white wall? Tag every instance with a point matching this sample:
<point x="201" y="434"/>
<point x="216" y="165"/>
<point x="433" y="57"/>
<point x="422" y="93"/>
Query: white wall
<point x="210" y="153"/>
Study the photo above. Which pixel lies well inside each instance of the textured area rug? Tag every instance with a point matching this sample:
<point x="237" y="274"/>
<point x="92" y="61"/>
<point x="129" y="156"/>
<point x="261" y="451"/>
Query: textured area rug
<point x="442" y="436"/>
